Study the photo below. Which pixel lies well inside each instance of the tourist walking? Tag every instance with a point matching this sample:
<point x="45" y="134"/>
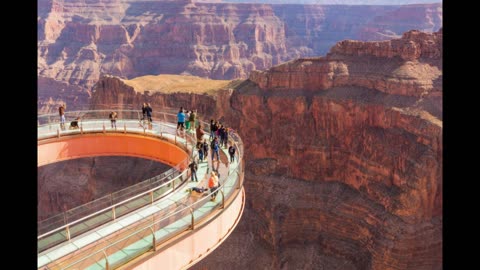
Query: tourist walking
<point x="149" y="111"/>
<point x="200" y="133"/>
<point x="213" y="185"/>
<point x="231" y="152"/>
<point x="113" y="119"/>
<point x="200" y="152"/>
<point x="187" y="122"/>
<point x="205" y="149"/>
<point x="191" y="119"/>
<point x="61" y="112"/>
<point x="212" y="127"/>
<point x="215" y="146"/>
<point x="144" y="111"/>
<point x="193" y="170"/>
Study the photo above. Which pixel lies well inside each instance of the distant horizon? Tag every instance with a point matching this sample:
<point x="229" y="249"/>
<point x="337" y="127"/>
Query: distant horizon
<point x="336" y="2"/>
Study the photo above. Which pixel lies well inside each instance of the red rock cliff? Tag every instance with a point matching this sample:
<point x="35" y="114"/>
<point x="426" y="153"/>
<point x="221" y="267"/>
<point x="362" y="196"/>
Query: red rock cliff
<point x="409" y="66"/>
<point x="344" y="175"/>
<point x="342" y="171"/>
<point x="79" y="41"/>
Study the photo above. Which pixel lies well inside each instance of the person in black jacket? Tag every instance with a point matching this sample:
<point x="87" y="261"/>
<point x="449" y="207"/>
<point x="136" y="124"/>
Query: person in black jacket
<point x="149" y="112"/>
<point x="193" y="168"/>
<point x="144" y="111"/>
<point x="231" y="152"/>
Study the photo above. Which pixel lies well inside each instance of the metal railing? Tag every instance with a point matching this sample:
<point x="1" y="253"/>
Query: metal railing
<point x="145" y="235"/>
<point x="64" y="226"/>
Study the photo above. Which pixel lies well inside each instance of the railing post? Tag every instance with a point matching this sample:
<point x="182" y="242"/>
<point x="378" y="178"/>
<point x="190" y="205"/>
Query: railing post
<point x="193" y="219"/>
<point x="238" y="179"/>
<point x="58" y="133"/>
<point x="107" y="267"/>
<point x="81" y="129"/>
<point x="67" y="228"/>
<point x="175" y="138"/>
<point x="151" y="196"/>
<point x="223" y="199"/>
<point x="154" y="242"/>
<point x="124" y="127"/>
<point x="103" y="125"/>
<point x="113" y="207"/>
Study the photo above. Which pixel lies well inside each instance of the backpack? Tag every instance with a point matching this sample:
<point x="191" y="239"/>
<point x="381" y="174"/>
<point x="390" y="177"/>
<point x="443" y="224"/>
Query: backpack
<point x="211" y="183"/>
<point x="214" y="145"/>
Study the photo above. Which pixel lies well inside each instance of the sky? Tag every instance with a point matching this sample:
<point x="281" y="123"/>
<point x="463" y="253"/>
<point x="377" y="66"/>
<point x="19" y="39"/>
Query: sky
<point x="338" y="2"/>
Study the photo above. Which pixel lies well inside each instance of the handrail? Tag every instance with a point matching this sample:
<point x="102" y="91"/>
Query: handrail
<point x="63" y="214"/>
<point x="113" y="206"/>
<point x="149" y="182"/>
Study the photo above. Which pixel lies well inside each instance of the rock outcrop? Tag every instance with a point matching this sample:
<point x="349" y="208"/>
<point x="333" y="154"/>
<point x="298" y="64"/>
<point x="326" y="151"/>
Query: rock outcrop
<point x="79" y="41"/>
<point x="344" y="157"/>
<point x="413" y="67"/>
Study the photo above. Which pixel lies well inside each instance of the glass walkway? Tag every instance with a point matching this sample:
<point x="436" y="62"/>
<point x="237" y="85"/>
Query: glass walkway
<point x="156" y="221"/>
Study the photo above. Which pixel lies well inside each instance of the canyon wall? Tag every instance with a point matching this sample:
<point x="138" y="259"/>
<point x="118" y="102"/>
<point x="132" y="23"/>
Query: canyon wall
<point x="79" y="41"/>
<point x="344" y="157"/>
<point x="68" y="184"/>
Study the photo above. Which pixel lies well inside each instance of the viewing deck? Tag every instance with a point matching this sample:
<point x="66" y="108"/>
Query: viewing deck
<point x="152" y="223"/>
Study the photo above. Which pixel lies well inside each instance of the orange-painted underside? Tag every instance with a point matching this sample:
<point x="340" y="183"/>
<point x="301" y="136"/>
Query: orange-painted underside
<point x="113" y="144"/>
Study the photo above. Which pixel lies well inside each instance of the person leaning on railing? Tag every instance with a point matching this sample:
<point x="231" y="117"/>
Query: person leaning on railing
<point x="74" y="123"/>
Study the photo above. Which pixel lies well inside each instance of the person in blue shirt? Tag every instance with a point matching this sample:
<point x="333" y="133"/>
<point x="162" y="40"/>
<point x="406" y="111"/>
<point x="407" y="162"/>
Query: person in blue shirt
<point x="181" y="119"/>
<point x="215" y="146"/>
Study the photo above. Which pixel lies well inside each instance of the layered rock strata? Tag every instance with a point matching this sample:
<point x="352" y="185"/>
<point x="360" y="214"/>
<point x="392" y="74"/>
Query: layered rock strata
<point x="79" y="41"/>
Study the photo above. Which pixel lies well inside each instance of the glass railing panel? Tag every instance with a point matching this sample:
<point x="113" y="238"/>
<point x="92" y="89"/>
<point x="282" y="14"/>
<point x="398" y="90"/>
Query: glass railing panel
<point x="230" y="185"/>
<point x="172" y="224"/>
<point x="204" y="207"/>
<point x="51" y="223"/>
<point x="52" y="240"/>
<point x="127" y="249"/>
<point x="159" y="193"/>
<point x="88" y="208"/>
<point x="132" y="205"/>
<point x="92" y="222"/>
